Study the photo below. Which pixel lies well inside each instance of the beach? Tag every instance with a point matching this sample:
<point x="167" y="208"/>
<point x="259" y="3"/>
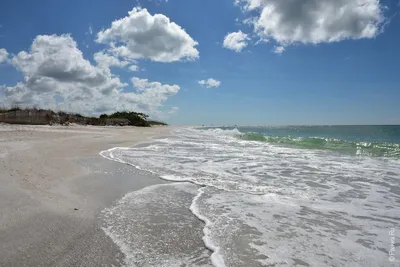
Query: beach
<point x="180" y="196"/>
<point x="54" y="185"/>
<point x="239" y="133"/>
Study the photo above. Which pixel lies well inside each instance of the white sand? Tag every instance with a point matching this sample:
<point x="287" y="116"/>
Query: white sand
<point x="46" y="172"/>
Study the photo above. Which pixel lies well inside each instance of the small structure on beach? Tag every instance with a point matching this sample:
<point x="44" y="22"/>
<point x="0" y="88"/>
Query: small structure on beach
<point x="30" y="116"/>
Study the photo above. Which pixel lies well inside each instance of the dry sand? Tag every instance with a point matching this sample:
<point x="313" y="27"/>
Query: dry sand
<point x="53" y="185"/>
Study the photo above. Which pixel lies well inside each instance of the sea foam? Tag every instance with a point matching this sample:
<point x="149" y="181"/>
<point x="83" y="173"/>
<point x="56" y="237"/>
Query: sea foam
<point x="264" y="204"/>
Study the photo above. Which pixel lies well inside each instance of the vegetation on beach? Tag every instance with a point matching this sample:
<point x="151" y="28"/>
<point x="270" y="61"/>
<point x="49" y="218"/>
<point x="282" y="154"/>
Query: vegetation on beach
<point x="6" y="110"/>
<point x="134" y="118"/>
<point x="17" y="115"/>
<point x="152" y="122"/>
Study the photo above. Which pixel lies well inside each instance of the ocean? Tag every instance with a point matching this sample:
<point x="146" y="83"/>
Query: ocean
<point x="275" y="196"/>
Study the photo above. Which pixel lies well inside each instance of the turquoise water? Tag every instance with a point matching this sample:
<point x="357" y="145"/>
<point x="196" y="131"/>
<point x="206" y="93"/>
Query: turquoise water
<point x="370" y="140"/>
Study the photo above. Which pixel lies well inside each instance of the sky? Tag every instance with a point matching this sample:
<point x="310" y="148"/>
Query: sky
<point x="204" y="62"/>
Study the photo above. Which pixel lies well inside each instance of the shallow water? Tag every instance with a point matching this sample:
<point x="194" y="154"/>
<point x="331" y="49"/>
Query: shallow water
<point x="269" y="204"/>
<point x="154" y="227"/>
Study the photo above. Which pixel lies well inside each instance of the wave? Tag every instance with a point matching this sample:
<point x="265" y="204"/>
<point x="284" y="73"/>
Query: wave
<point x="372" y="149"/>
<point x="224" y="132"/>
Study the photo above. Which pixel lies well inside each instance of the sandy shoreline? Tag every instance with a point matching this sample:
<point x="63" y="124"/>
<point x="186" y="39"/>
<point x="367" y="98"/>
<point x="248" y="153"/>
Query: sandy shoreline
<point x="54" y="184"/>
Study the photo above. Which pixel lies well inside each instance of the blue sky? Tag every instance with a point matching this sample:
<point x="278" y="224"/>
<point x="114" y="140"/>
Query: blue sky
<point x="343" y="72"/>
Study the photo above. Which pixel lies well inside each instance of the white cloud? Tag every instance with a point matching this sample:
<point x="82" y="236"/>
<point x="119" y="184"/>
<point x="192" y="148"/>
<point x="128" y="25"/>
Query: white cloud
<point x="278" y="49"/>
<point x="141" y="35"/>
<point x="57" y="76"/>
<point x="152" y="94"/>
<point x="3" y="55"/>
<point x="210" y="83"/>
<point x="134" y="68"/>
<point x="315" y="21"/>
<point x="105" y="60"/>
<point x="90" y="31"/>
<point x="236" y="41"/>
<point x="55" y="58"/>
<point x="173" y="110"/>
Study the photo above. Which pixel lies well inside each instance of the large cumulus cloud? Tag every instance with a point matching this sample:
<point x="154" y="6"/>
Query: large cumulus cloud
<point x="56" y="75"/>
<point x="141" y="35"/>
<point x="314" y="21"/>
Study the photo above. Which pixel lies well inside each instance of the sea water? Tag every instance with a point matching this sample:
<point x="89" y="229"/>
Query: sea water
<point x="283" y="196"/>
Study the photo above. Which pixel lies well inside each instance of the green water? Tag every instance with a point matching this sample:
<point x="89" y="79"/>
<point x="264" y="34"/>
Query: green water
<point x="375" y="141"/>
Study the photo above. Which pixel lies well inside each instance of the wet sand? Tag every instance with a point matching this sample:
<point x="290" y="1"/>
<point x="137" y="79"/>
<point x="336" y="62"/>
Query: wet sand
<point x="53" y="187"/>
